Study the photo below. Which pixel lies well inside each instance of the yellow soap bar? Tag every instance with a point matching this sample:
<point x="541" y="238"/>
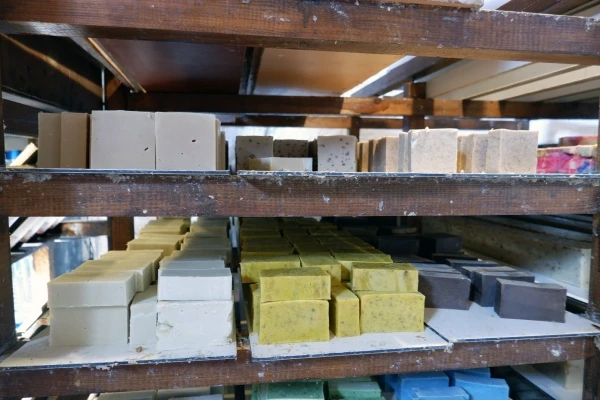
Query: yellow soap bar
<point x="348" y="259"/>
<point x="344" y="312"/>
<point x="294" y="284"/>
<point x="394" y="277"/>
<point x="326" y="263"/>
<point x="255" y="307"/>
<point x="251" y="266"/>
<point x="294" y="321"/>
<point x="391" y="312"/>
<point x="167" y="247"/>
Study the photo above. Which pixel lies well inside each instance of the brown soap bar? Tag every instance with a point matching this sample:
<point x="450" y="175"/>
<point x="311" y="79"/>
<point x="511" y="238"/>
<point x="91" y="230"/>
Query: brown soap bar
<point x="444" y="290"/>
<point x="439" y="243"/>
<point x="484" y="283"/>
<point x="533" y="301"/>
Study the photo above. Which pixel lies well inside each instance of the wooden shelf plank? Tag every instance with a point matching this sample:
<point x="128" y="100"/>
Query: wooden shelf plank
<point x="85" y="380"/>
<point x="332" y="26"/>
<point x="130" y="193"/>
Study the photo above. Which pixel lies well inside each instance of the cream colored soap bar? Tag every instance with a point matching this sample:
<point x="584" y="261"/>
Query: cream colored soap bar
<point x="281" y="164"/>
<point x="294" y="284"/>
<point x="472" y="153"/>
<point x="324" y="262"/>
<point x="122" y="140"/>
<point x="403" y="150"/>
<point x="88" y="326"/>
<point x="337" y="153"/>
<point x="344" y="312"/>
<point x="511" y="152"/>
<point x="394" y="277"/>
<point x="249" y="147"/>
<point x="92" y="289"/>
<point x="152" y="256"/>
<point x="167" y="247"/>
<point x="143" y="269"/>
<point x="433" y="150"/>
<point x="186" y="141"/>
<point x="74" y="140"/>
<point x="48" y="140"/>
<point x="142" y="320"/>
<point x="251" y="266"/>
<point x="386" y="154"/>
<point x="391" y="312"/>
<point x="294" y="321"/>
<point x="362" y="150"/>
<point x="255" y="307"/>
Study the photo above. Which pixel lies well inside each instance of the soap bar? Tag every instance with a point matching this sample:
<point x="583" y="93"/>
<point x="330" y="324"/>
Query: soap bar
<point x="301" y="390"/>
<point x="439" y="243"/>
<point x="404" y="384"/>
<point x="249" y="147"/>
<point x="481" y="372"/>
<point x="543" y="301"/>
<point x="142" y="269"/>
<point x="280" y="164"/>
<point x="186" y="264"/>
<point x="294" y="284"/>
<point x="291" y="148"/>
<point x="74" y="140"/>
<point x="142" y="320"/>
<point x="348" y="259"/>
<point x="167" y="247"/>
<point x="444" y="290"/>
<point x="337" y="153"/>
<point x="431" y="267"/>
<point x="122" y="140"/>
<point x="255" y="289"/>
<point x="410" y="258"/>
<point x="474" y="153"/>
<point x="294" y="321"/>
<point x="385" y="277"/>
<point x="469" y="272"/>
<point x="442" y="257"/>
<point x="143" y="395"/>
<point x="49" y="142"/>
<point x="354" y="390"/>
<point x="398" y="244"/>
<point x="362" y="149"/>
<point x="480" y="388"/>
<point x="432" y="150"/>
<point x="325" y="262"/>
<point x="152" y="256"/>
<point x="403" y="151"/>
<point x="186" y="141"/>
<point x="194" y="284"/>
<point x="386" y="154"/>
<point x="511" y="152"/>
<point x="459" y="263"/>
<point x="439" y="393"/>
<point x="194" y="324"/>
<point x="92" y="289"/>
<point x="87" y="326"/>
<point x="250" y="267"/>
<point x="344" y="312"/>
<point x="391" y="312"/>
<point x="168" y="394"/>
<point x="485" y="287"/>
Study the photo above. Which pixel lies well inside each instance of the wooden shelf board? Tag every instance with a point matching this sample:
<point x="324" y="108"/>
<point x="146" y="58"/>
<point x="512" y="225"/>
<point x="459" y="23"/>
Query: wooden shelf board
<point x="84" y="380"/>
<point x="254" y="194"/>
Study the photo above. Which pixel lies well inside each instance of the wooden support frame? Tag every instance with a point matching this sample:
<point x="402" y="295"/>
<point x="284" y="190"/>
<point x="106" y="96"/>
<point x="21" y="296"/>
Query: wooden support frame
<point x="332" y="26"/>
<point x="120" y="232"/>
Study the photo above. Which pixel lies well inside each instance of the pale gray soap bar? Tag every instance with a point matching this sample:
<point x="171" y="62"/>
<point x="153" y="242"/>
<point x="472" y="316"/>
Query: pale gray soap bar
<point x="433" y="150"/>
<point x="511" y="152"/>
<point x="337" y="153"/>
<point x="249" y="147"/>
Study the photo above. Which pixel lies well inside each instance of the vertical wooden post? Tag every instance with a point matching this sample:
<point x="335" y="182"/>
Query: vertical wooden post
<point x="355" y="127"/>
<point x="7" y="304"/>
<point x="121" y="232"/>
<point x="415" y="91"/>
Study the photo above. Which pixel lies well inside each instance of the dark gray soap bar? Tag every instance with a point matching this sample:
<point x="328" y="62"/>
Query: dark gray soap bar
<point x="398" y="244"/>
<point x="443" y="290"/>
<point x="458" y="264"/>
<point x="459" y="255"/>
<point x="439" y="243"/>
<point x="470" y="271"/>
<point x="410" y="258"/>
<point x="441" y="268"/>
<point x="484" y="284"/>
<point x="533" y="301"/>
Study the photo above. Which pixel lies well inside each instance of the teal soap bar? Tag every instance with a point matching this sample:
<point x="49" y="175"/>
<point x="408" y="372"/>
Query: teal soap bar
<point x="440" y="393"/>
<point x="354" y="390"/>
<point x="303" y="390"/>
<point x="482" y="388"/>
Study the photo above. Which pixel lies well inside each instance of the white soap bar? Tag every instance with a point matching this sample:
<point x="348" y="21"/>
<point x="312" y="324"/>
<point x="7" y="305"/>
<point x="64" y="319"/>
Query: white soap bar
<point x="142" y="269"/>
<point x="386" y="154"/>
<point x="122" y="140"/>
<point x="337" y="153"/>
<point x="433" y="150"/>
<point x="48" y="140"/>
<point x="248" y="147"/>
<point x="186" y="141"/>
<point x="290" y="148"/>
<point x="474" y="153"/>
<point x="511" y="152"/>
<point x="194" y="324"/>
<point x="194" y="284"/>
<point x="74" y="140"/>
<point x="281" y="164"/>
<point x="145" y="395"/>
<point x="403" y="151"/>
<point x="142" y="320"/>
<point x="187" y="264"/>
<point x="88" y="326"/>
<point x="92" y="289"/>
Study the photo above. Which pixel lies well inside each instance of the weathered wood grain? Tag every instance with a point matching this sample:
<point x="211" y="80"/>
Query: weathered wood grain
<point x="326" y="25"/>
<point x="120" y="232"/>
<point x="129" y="193"/>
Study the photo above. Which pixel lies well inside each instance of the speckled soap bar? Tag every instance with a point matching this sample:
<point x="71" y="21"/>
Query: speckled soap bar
<point x="432" y="150"/>
<point x="294" y="321"/>
<point x="324" y="262"/>
<point x="511" y="152"/>
<point x="294" y="284"/>
<point x="344" y="312"/>
<point x="248" y="147"/>
<point x="391" y="312"/>
<point x="385" y="277"/>
<point x="290" y="148"/>
<point x="250" y="267"/>
<point x="337" y="153"/>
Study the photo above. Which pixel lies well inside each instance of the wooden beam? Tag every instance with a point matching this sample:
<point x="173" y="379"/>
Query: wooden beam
<point x="250" y="69"/>
<point x="118" y="193"/>
<point x="120" y="232"/>
<point x="333" y="26"/>
<point x="305" y="105"/>
<point x="543" y="6"/>
<point x="20" y="119"/>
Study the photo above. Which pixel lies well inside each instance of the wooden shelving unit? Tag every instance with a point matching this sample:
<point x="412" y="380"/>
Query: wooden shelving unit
<point x="328" y="26"/>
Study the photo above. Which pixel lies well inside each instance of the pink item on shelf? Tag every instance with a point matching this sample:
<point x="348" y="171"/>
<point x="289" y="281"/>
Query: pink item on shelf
<point x="567" y="160"/>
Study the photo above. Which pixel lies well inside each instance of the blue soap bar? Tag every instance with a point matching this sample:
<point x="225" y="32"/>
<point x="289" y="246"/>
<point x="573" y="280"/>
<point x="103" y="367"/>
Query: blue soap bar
<point x="440" y="393"/>
<point x="481" y="388"/>
<point x="403" y="384"/>
<point x="482" y="372"/>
